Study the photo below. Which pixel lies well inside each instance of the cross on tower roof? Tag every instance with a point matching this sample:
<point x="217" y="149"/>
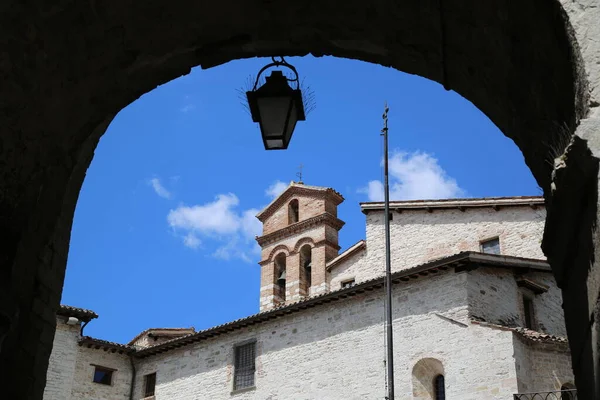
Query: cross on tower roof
<point x="299" y="174"/>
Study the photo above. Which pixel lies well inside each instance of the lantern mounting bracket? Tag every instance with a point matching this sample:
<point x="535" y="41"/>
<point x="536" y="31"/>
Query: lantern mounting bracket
<point x="278" y="63"/>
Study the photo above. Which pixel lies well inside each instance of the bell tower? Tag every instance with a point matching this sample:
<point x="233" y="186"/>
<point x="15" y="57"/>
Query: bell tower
<point x="300" y="235"/>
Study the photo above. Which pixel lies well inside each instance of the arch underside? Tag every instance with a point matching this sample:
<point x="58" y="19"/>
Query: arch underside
<point x="68" y="68"/>
<point x="514" y="61"/>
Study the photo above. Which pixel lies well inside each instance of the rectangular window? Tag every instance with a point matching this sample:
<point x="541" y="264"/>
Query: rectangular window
<point x="491" y="246"/>
<point x="149" y="384"/>
<point x="528" y="312"/>
<point x="348" y="283"/>
<point x="244" y="366"/>
<point x="103" y="375"/>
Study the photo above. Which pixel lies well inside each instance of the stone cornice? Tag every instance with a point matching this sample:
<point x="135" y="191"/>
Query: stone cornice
<point x="322" y="219"/>
<point x="297" y="189"/>
<point x="461" y="204"/>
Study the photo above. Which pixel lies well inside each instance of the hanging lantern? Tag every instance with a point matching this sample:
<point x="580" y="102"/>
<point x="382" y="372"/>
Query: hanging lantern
<point x="276" y="106"/>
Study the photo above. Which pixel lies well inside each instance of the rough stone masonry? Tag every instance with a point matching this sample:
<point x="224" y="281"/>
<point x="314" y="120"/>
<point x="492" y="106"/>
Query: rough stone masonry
<point x="458" y="313"/>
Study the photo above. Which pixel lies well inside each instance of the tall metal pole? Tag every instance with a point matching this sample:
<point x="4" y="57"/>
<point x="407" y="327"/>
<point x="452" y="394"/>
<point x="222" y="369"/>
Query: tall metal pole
<point x="388" y="270"/>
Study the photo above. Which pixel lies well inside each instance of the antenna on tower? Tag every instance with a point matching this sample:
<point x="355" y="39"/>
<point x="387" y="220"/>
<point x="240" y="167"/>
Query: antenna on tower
<point x="299" y="174"/>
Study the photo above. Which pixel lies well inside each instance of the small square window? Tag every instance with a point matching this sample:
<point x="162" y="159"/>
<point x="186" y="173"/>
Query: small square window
<point x="491" y="246"/>
<point x="348" y="283"/>
<point x="103" y="375"/>
<point x="149" y="384"/>
<point x="244" y="366"/>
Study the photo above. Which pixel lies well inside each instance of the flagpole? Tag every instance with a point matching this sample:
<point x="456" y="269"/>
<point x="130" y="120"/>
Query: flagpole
<point x="388" y="271"/>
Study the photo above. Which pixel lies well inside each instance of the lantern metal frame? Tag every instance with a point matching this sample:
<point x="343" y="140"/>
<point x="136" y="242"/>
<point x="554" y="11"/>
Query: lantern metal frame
<point x="295" y="100"/>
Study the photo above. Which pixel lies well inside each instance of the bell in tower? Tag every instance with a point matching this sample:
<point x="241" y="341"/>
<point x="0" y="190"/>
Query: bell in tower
<point x="300" y="235"/>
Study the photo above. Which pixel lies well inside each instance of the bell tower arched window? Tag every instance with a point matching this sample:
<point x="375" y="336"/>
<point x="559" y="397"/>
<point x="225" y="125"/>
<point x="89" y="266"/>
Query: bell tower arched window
<point x="305" y="270"/>
<point x="280" y="275"/>
<point x="293" y="212"/>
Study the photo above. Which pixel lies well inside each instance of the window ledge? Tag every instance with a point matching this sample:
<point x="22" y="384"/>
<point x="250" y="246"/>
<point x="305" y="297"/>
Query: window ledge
<point x="248" y="389"/>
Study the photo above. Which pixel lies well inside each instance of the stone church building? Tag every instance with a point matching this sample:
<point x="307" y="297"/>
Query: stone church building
<point x="477" y="314"/>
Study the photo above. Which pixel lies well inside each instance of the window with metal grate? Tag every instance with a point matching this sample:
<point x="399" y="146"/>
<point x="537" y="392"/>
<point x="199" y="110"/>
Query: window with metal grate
<point x="244" y="366"/>
<point x="150" y="384"/>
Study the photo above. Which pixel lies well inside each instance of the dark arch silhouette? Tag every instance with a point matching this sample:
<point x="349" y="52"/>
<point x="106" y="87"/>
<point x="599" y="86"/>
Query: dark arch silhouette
<point x="68" y="69"/>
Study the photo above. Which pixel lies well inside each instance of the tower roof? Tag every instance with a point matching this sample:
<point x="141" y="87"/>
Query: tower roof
<point x="295" y="188"/>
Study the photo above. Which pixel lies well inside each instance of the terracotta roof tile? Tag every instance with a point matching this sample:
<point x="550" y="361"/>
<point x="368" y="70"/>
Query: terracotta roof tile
<point x="105" y="345"/>
<point x="163" y="332"/>
<point x="80" y="313"/>
<point x="456" y="261"/>
<point x="420" y="271"/>
<point x="529" y="334"/>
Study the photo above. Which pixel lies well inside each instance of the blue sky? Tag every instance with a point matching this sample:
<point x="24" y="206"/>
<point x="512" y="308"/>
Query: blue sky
<point x="164" y="227"/>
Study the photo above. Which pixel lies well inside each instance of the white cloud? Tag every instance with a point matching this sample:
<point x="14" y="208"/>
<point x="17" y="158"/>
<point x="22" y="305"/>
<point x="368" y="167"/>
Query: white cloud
<point x="234" y="231"/>
<point x="276" y="189"/>
<point x="191" y="240"/>
<point x="414" y="176"/>
<point x="159" y="189"/>
<point x="216" y="217"/>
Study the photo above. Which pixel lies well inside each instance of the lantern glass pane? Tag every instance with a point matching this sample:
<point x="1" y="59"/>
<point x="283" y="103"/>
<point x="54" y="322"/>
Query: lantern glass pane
<point x="273" y="114"/>
<point x="291" y="123"/>
<point x="274" y="143"/>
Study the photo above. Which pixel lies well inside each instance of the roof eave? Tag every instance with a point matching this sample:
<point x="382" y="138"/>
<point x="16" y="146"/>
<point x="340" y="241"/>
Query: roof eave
<point x="454" y="261"/>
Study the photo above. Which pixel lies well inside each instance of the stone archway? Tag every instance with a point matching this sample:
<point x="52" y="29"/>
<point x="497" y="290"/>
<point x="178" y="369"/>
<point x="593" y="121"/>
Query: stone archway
<point x="69" y="67"/>
<point x="424" y="374"/>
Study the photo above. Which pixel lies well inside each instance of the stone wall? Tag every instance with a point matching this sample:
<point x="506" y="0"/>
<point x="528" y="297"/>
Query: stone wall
<point x="495" y="297"/>
<point x="83" y="385"/>
<point x="309" y="207"/>
<point x="354" y="267"/>
<point x="419" y="236"/>
<point x="337" y="351"/>
<point x="61" y="369"/>
<point x="549" y="312"/>
<point x="542" y="367"/>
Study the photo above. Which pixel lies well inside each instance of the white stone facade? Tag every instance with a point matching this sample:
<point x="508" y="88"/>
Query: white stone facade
<point x="61" y="367"/>
<point x="463" y="319"/>
<point x="419" y="236"/>
<point x="85" y="388"/>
